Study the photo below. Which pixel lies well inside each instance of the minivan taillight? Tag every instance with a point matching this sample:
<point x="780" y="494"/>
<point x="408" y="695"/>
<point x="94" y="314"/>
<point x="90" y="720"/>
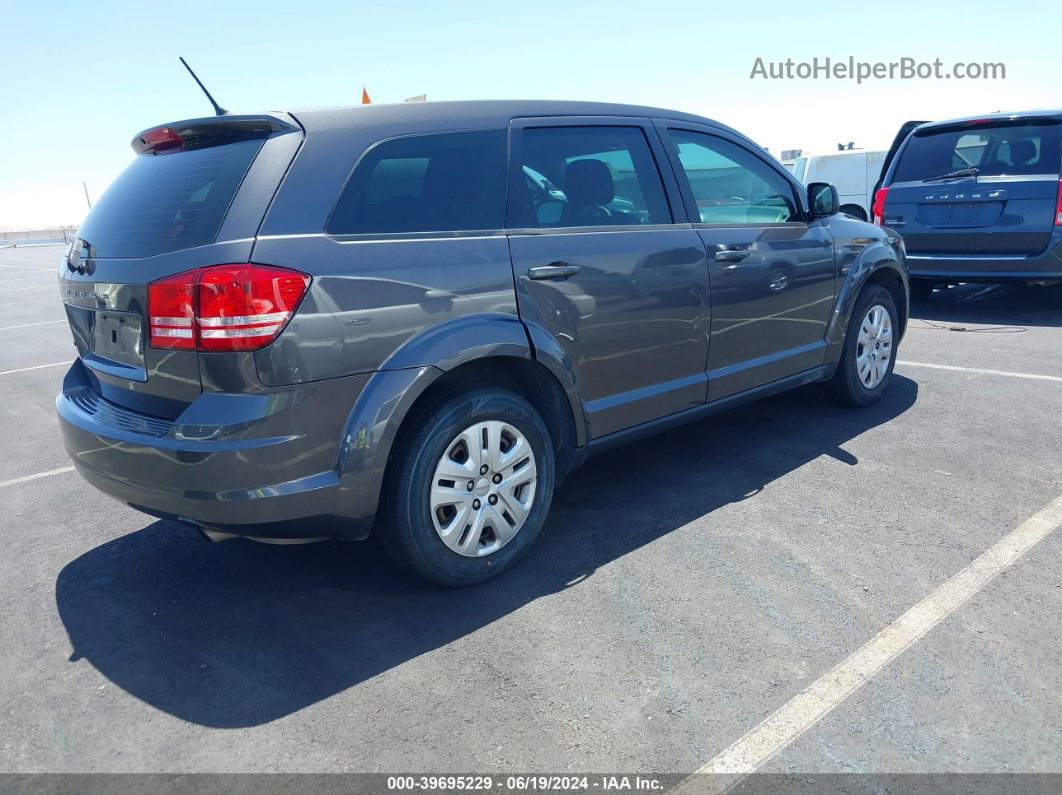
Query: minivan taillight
<point x="1058" y="205"/>
<point x="223" y="307"/>
<point x="878" y="208"/>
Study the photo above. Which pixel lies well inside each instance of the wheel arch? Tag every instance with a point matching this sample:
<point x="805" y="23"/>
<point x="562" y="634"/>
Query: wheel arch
<point x="490" y="351"/>
<point x="878" y="263"/>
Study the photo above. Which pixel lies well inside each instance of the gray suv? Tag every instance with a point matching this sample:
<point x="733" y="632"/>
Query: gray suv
<point x="414" y="320"/>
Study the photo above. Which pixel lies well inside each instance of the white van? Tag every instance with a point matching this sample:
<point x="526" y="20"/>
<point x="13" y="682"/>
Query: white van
<point x="854" y="173"/>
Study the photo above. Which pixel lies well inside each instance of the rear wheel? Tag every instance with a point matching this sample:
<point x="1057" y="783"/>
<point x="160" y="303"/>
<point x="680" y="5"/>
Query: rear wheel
<point x="470" y="487"/>
<point x="855" y="211"/>
<point x="868" y="357"/>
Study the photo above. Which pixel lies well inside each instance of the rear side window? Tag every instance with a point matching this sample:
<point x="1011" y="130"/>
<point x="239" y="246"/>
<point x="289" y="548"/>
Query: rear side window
<point x="168" y="201"/>
<point x="452" y="182"/>
<point x="995" y="150"/>
<point x="587" y="176"/>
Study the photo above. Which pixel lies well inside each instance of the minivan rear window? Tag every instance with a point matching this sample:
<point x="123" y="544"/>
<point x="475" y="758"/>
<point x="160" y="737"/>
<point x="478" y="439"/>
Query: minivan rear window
<point x="995" y="150"/>
<point x="168" y="201"/>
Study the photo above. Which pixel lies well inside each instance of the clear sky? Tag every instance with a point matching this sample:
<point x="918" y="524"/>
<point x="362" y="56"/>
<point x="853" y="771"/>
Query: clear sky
<point x="81" y="78"/>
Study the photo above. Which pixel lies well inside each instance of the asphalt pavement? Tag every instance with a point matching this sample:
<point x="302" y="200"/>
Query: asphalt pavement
<point x="685" y="589"/>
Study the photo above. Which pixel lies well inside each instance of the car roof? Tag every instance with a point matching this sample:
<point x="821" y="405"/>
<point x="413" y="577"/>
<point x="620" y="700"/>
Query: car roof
<point x="994" y="117"/>
<point x="479" y="112"/>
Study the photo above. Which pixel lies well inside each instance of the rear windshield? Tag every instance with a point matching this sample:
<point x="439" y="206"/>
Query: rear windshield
<point x="995" y="150"/>
<point x="168" y="201"/>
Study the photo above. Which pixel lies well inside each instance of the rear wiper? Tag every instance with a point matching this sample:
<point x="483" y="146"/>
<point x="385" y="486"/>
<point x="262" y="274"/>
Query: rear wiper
<point x="972" y="171"/>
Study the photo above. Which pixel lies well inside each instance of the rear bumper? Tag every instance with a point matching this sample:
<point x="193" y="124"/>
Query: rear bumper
<point x="1046" y="266"/>
<point x="260" y="465"/>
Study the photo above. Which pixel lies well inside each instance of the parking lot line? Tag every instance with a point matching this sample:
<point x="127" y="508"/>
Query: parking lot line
<point x="803" y="711"/>
<point x="35" y="367"/>
<point x="34" y="301"/>
<point x="31" y="287"/>
<point x="1034" y="376"/>
<point x="27" y="279"/>
<point x="29" y="268"/>
<point x="27" y="478"/>
<point x="27" y="325"/>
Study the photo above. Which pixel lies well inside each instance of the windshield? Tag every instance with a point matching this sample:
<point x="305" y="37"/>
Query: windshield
<point x="994" y="150"/>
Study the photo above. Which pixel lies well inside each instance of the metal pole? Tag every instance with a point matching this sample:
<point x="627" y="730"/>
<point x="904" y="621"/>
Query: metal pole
<point x="88" y="201"/>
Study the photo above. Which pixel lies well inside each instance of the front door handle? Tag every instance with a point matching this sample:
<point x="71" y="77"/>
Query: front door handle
<point x="731" y="255"/>
<point x="555" y="270"/>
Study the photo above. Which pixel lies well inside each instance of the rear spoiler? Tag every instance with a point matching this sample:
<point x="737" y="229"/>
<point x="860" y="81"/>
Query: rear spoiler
<point x="193" y="133"/>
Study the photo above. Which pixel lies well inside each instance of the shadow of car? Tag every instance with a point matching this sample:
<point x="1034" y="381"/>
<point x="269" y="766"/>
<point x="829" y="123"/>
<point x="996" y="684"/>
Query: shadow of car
<point x="238" y="634"/>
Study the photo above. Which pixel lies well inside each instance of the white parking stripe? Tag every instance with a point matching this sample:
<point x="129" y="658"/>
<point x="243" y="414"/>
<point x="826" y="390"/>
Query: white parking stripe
<point x="30" y="268"/>
<point x="34" y="301"/>
<point x="803" y="711"/>
<point x="47" y="284"/>
<point x="27" y="325"/>
<point x="28" y="478"/>
<point x="28" y="279"/>
<point x="37" y="367"/>
<point x="980" y="371"/>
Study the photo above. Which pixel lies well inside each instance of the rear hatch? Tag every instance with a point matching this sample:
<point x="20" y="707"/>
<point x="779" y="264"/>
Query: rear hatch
<point x="998" y="194"/>
<point x="193" y="196"/>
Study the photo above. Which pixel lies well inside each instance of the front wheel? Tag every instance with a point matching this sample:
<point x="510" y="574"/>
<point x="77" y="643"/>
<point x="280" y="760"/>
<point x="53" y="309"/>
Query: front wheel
<point x="869" y="353"/>
<point x="470" y="487"/>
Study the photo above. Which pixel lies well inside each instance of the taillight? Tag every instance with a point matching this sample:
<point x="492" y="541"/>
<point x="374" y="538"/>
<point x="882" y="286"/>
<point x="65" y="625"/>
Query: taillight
<point x="878" y="208"/>
<point x="223" y="307"/>
<point x="171" y="311"/>
<point x="1058" y="205"/>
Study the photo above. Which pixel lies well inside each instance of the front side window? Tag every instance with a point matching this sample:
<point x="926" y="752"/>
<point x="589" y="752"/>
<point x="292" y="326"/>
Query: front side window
<point x="452" y="182"/>
<point x="730" y="185"/>
<point x="586" y="176"/>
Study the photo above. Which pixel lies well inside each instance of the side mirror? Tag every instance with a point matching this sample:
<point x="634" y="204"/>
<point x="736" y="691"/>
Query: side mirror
<point x="822" y="199"/>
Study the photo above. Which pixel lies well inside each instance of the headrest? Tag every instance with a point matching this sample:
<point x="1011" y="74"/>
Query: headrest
<point x="588" y="183"/>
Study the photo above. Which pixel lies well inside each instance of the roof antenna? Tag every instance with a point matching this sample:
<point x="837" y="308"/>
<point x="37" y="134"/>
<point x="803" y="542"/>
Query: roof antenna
<point x="218" y="110"/>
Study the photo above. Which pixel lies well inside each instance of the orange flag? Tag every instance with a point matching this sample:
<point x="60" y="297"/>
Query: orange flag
<point x="365" y="97"/>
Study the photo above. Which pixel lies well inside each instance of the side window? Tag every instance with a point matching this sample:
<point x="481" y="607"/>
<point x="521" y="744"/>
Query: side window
<point x="730" y="185"/>
<point x="452" y="182"/>
<point x="586" y="176"/>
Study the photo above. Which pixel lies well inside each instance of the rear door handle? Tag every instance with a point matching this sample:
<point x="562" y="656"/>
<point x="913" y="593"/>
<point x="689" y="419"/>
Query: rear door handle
<point x="731" y="255"/>
<point x="555" y="270"/>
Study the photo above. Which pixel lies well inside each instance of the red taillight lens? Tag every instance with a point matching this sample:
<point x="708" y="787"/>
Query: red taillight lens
<point x="878" y="208"/>
<point x="1058" y="205"/>
<point x="224" y="307"/>
<point x="243" y="307"/>
<point x="171" y="312"/>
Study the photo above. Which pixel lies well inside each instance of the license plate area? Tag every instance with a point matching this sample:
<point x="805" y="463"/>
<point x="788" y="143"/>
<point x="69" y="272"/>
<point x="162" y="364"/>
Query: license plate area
<point x="117" y="344"/>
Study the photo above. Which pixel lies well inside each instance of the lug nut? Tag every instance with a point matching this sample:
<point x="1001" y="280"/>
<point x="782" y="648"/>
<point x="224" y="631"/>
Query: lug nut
<point x="471" y="485"/>
<point x="492" y="499"/>
<point x="483" y="470"/>
<point x="475" y="505"/>
<point x="497" y="478"/>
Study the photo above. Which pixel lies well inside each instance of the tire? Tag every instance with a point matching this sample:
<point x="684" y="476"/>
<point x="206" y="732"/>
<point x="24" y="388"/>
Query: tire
<point x="422" y="506"/>
<point x="855" y="211"/>
<point x="921" y="289"/>
<point x="853" y="384"/>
